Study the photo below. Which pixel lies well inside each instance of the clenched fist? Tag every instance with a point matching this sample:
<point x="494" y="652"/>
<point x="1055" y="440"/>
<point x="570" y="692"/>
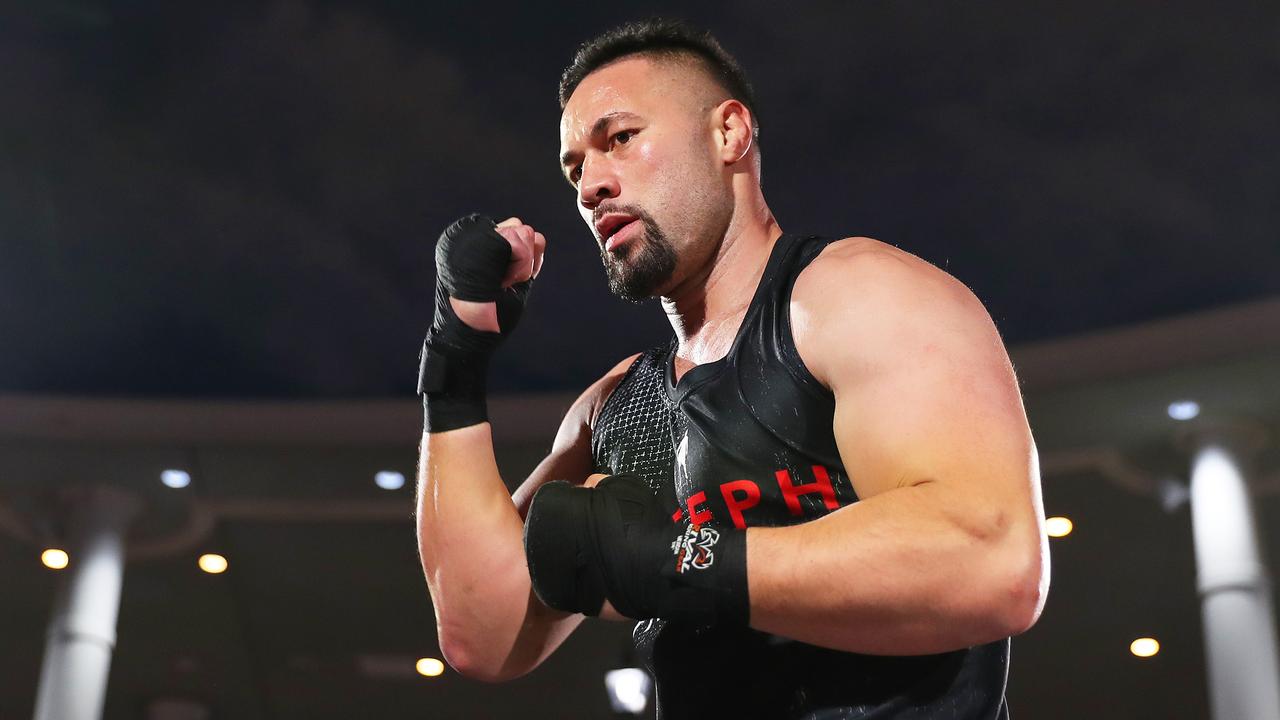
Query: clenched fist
<point x="483" y="276"/>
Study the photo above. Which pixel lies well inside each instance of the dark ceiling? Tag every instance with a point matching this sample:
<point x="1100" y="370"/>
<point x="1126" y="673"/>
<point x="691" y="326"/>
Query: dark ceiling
<point x="240" y="199"/>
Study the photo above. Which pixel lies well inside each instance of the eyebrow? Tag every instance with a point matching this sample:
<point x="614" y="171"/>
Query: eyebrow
<point x="597" y="128"/>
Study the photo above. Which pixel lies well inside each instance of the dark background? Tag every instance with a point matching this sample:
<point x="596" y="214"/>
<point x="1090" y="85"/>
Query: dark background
<point x="241" y="199"/>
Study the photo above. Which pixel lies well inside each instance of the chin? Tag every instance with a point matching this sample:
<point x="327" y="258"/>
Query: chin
<point x="634" y="288"/>
<point x="642" y="268"/>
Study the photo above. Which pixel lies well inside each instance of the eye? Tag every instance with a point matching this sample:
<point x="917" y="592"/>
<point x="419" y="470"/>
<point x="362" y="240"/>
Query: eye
<point x="623" y="136"/>
<point x="575" y="173"/>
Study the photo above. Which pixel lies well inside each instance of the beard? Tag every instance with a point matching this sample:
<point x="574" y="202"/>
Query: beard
<point x="639" y="268"/>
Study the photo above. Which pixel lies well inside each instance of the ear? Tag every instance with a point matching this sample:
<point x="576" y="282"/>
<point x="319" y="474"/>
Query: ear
<point x="734" y="130"/>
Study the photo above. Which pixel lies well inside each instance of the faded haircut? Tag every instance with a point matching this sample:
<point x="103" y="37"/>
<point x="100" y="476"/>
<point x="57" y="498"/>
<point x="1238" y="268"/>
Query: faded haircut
<point x="662" y="38"/>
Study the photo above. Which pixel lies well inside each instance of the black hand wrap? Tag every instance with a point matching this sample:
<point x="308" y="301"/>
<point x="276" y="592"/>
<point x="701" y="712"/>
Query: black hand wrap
<point x="617" y="541"/>
<point x="471" y="260"/>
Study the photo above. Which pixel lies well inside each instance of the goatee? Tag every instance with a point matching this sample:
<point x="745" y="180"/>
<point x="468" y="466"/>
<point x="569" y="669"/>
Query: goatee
<point x="637" y="269"/>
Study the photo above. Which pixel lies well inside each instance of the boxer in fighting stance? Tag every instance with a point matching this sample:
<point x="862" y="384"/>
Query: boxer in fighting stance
<point x="820" y="500"/>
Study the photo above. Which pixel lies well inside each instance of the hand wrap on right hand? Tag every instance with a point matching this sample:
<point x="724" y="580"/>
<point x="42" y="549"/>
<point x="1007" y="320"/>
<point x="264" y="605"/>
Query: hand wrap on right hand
<point x="471" y="261"/>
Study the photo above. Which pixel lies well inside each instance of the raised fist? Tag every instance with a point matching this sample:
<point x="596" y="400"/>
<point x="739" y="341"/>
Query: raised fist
<point x="527" y="249"/>
<point x="483" y="276"/>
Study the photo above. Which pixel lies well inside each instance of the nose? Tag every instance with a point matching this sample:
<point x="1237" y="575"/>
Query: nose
<point x="599" y="181"/>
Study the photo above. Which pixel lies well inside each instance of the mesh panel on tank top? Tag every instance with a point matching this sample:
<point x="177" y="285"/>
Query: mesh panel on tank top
<point x="633" y="431"/>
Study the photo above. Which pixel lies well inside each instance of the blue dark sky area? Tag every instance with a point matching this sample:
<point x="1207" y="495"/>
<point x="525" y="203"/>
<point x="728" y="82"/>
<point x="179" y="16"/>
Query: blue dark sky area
<point x="240" y="200"/>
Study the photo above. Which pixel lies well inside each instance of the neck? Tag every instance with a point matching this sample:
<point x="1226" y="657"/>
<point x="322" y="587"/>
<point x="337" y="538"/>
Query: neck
<point x="706" y="308"/>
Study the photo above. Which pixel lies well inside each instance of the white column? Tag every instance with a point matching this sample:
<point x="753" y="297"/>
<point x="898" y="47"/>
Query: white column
<point x="1235" y="587"/>
<point x="82" y="633"/>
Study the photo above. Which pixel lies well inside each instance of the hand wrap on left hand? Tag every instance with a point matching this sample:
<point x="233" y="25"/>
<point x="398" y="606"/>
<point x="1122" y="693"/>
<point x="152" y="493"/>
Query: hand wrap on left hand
<point x="617" y="541"/>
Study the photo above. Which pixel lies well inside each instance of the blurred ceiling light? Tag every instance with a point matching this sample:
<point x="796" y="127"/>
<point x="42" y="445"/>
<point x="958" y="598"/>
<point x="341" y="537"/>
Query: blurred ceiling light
<point x="175" y="478"/>
<point x="430" y="667"/>
<point x="213" y="563"/>
<point x="389" y="480"/>
<point x="1184" y="409"/>
<point x="1144" y="647"/>
<point x="1058" y="526"/>
<point x="1173" y="493"/>
<point x="54" y="559"/>
<point x="628" y="690"/>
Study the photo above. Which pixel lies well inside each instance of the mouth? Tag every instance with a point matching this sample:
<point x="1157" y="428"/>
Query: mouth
<point x="609" y="229"/>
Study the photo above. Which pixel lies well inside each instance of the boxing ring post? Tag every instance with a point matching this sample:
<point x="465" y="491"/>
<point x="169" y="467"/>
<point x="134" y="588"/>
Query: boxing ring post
<point x="82" y="631"/>
<point x="1234" y="586"/>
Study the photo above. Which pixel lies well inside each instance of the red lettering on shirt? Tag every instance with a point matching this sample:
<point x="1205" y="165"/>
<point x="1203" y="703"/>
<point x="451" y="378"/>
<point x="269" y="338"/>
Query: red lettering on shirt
<point x="791" y="491"/>
<point x="696" y="516"/>
<point x="750" y="498"/>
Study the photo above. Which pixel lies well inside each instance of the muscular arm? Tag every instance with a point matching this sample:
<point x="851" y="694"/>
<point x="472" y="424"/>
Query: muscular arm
<point x="470" y="540"/>
<point x="945" y="548"/>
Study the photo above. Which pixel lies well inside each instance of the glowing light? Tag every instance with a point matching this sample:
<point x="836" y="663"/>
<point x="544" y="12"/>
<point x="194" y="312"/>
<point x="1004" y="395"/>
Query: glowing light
<point x="430" y="667"/>
<point x="1184" y="409"/>
<point x="389" y="480"/>
<point x="628" y="689"/>
<point x="54" y="559"/>
<point x="1144" y="647"/>
<point x="213" y="563"/>
<point x="175" y="478"/>
<point x="1058" y="526"/>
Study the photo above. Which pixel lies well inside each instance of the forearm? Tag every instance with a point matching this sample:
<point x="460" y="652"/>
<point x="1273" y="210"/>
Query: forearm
<point x="910" y="571"/>
<point x="471" y="547"/>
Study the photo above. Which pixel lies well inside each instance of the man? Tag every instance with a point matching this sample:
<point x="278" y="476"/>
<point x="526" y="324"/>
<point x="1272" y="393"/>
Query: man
<point x="824" y="498"/>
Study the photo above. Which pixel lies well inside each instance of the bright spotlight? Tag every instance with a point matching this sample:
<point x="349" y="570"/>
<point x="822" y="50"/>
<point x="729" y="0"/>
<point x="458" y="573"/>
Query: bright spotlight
<point x="389" y="480"/>
<point x="1184" y="409"/>
<point x="430" y="667"/>
<point x="175" y="478"/>
<point x="54" y="559"/>
<point x="628" y="689"/>
<point x="1144" y="647"/>
<point x="213" y="563"/>
<point x="1058" y="526"/>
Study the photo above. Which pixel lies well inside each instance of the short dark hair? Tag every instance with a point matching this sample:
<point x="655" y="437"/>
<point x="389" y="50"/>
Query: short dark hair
<point x="663" y="37"/>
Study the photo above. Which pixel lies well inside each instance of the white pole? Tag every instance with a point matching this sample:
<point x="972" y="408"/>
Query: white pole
<point x="82" y="633"/>
<point x="1235" y="588"/>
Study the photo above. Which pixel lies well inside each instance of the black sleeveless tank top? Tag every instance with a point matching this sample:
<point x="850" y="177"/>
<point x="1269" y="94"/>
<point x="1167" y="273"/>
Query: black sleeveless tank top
<point x="747" y="441"/>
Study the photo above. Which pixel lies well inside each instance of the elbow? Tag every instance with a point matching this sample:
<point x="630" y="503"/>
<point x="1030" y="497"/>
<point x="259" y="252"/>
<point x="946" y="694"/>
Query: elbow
<point x="459" y="657"/>
<point x="475" y="665"/>
<point x="470" y="660"/>
<point x="1020" y="611"/>
<point x="1015" y="577"/>
<point x="1024" y="588"/>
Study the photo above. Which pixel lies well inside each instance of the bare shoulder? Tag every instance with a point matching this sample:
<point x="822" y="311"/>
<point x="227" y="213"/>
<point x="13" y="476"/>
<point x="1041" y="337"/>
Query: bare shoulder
<point x="856" y="266"/>
<point x="885" y="301"/>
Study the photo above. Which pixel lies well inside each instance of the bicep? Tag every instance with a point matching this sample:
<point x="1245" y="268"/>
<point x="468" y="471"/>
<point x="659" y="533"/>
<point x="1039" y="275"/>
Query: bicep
<point x="924" y="388"/>
<point x="935" y="410"/>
